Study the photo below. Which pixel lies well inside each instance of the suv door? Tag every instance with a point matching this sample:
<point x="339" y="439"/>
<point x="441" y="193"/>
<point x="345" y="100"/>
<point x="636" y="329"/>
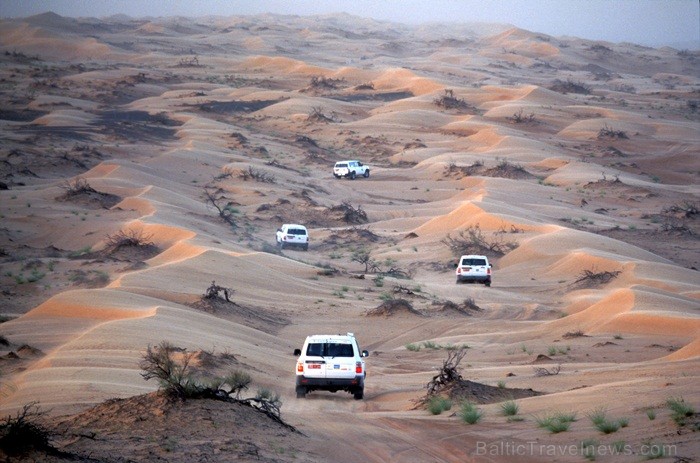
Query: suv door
<point x="314" y="361"/>
<point x="340" y="360"/>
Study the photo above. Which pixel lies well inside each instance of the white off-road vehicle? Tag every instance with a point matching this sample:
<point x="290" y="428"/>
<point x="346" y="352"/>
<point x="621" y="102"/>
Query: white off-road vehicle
<point x="473" y="268"/>
<point x="350" y="169"/>
<point x="332" y="363"/>
<point x="291" y="234"/>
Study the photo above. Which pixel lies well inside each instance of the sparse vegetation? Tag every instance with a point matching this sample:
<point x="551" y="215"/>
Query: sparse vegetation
<point x="448" y="373"/>
<point x="542" y="371"/>
<point x="569" y="86"/>
<point x="171" y="367"/>
<point x="557" y="422"/>
<point x="225" y="207"/>
<point x="129" y="238"/>
<point x="510" y="408"/>
<point x="413" y="347"/>
<point x="449" y="101"/>
<point x="473" y="241"/>
<point x="520" y="118"/>
<point x="439" y="404"/>
<point x="608" y="132"/>
<point x="23" y="432"/>
<point x="680" y="410"/>
<point x="603" y="424"/>
<point x="470" y="413"/>
<point x="258" y="175"/>
<point x="592" y="278"/>
<point x="213" y="291"/>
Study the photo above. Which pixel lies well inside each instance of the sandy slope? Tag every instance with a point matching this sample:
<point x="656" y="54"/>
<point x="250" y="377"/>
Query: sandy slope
<point x="126" y="108"/>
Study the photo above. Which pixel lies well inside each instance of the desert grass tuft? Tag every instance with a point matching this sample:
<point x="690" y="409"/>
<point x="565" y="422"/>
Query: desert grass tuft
<point x="470" y="413"/>
<point x="438" y="404"/>
<point x="557" y="422"/>
<point x="680" y="410"/>
<point x="510" y="408"/>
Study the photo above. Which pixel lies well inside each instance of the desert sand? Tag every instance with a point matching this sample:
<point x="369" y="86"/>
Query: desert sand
<point x="581" y="157"/>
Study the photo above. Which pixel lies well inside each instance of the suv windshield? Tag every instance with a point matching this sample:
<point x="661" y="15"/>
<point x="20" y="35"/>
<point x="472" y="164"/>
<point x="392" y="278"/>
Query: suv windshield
<point x="473" y="262"/>
<point x="330" y="349"/>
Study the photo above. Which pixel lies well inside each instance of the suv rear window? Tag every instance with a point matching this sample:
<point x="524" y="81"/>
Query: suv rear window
<point x="473" y="262"/>
<point x="330" y="349"/>
<point x="341" y="164"/>
<point x="296" y="231"/>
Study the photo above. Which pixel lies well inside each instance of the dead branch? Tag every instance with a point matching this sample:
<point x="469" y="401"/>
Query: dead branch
<point x="224" y="207"/>
<point x="448" y="373"/>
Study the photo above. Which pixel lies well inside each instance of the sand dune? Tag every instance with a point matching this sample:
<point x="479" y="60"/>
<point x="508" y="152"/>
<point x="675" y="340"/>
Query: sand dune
<point x="599" y="274"/>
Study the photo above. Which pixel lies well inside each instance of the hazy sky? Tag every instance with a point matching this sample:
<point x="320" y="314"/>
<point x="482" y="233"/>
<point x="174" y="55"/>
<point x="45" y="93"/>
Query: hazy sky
<point x="646" y="22"/>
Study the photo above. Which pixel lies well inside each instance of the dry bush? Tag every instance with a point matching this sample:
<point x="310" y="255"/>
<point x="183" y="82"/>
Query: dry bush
<point x="257" y="175"/>
<point x="129" y="238"/>
<point x="316" y="115"/>
<point x="177" y="380"/>
<point x="325" y="83"/>
<point x="505" y="169"/>
<point x="686" y="210"/>
<point x="448" y="373"/>
<point x="542" y="371"/>
<point x="520" y="118"/>
<point x="569" y="86"/>
<point x="453" y="169"/>
<point x="224" y="207"/>
<point x="349" y="213"/>
<point x="213" y="291"/>
<point x="449" y="101"/>
<point x="365" y="86"/>
<point x="608" y="132"/>
<point x="590" y="278"/>
<point x="23" y="433"/>
<point x="76" y="186"/>
<point x="189" y="62"/>
<point x="473" y="241"/>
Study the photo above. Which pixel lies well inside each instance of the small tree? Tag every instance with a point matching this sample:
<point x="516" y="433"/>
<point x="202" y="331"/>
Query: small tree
<point x="173" y="376"/>
<point x="362" y="256"/>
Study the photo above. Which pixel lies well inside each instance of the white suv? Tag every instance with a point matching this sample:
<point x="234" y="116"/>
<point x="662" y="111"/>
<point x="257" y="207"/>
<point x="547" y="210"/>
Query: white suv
<point x="473" y="268"/>
<point x="331" y="363"/>
<point x="292" y="234"/>
<point x="350" y="169"/>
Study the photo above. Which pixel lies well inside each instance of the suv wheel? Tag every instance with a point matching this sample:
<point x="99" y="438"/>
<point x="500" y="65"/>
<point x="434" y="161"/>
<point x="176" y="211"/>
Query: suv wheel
<point x="358" y="394"/>
<point x="366" y="174"/>
<point x="306" y="247"/>
<point x="301" y="392"/>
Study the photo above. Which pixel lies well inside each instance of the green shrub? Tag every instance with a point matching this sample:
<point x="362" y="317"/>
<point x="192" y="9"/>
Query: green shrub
<point x="556" y="423"/>
<point x="510" y="408"/>
<point x="413" y="347"/>
<point x="438" y="404"/>
<point x="470" y="413"/>
<point x="680" y="410"/>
